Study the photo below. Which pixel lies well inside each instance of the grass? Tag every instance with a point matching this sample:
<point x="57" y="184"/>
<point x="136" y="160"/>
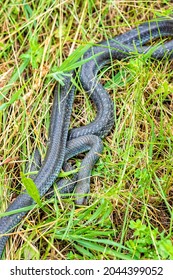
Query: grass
<point x="129" y="215"/>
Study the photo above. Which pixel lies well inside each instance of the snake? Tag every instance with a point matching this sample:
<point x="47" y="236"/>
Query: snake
<point x="63" y="143"/>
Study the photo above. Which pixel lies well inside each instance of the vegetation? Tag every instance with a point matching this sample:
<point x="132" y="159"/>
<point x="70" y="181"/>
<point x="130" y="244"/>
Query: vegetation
<point x="129" y="214"/>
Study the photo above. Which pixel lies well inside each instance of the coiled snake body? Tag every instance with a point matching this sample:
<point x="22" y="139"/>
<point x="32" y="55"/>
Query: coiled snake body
<point x="64" y="144"/>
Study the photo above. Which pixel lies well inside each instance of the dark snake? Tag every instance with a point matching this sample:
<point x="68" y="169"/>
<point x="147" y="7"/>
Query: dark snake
<point x="64" y="144"/>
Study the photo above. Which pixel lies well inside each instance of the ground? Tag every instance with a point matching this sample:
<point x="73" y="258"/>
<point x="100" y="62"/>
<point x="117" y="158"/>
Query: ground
<point x="129" y="213"/>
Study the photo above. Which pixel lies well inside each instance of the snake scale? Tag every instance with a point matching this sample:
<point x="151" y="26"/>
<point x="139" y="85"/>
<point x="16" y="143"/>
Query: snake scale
<point x="64" y="144"/>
